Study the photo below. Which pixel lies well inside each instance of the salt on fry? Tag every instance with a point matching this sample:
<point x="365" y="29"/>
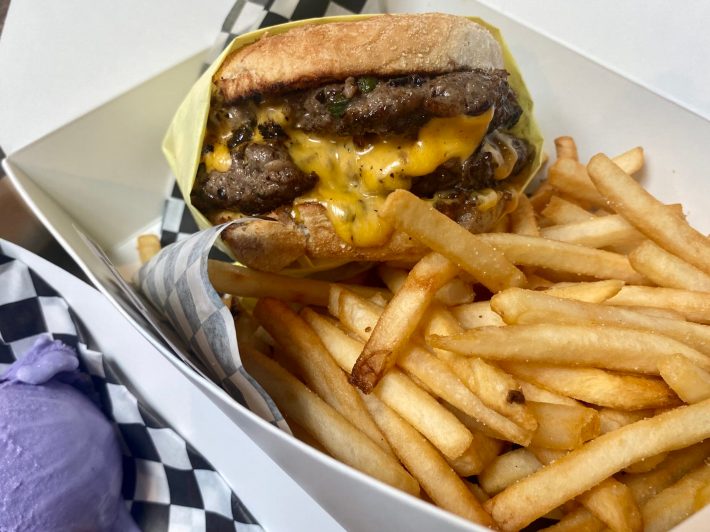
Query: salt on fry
<point x="599" y="232"/>
<point x="691" y="383"/>
<point x="665" y="269"/>
<point x="522" y="219"/>
<point x="695" y="306"/>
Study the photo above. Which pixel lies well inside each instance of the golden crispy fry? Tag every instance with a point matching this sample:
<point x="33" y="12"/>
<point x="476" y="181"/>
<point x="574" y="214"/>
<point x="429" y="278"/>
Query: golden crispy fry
<point x="532" y="497"/>
<point x="579" y="520"/>
<point x="560" y="211"/>
<point x="518" y="306"/>
<point x="477" y="314"/>
<point x="610" y="501"/>
<point x="563" y="427"/>
<point x="656" y="312"/>
<point x="398" y="391"/>
<point x="564" y="257"/>
<point x="148" y="247"/>
<point x="695" y="306"/>
<point x="420" y="220"/>
<point x="665" y="269"/>
<point x="522" y="219"/>
<point x="301" y="346"/>
<point x="535" y="282"/>
<point x="230" y="279"/>
<point x="455" y="292"/>
<point x="535" y="393"/>
<point x="542" y="195"/>
<point x="647" y="485"/>
<point x="646" y="465"/>
<point x="571" y="178"/>
<point x="598" y="232"/>
<point x="648" y="215"/>
<point x="593" y="292"/>
<point x="341" y="439"/>
<point x="566" y="148"/>
<point x="507" y="469"/>
<point x="599" y="387"/>
<point x="691" y="383"/>
<point x="479" y="454"/>
<point x="497" y="389"/>
<point x="436" y="477"/>
<point x="611" y="419"/>
<point x="436" y="374"/>
<point x="613" y="503"/>
<point x="400" y="319"/>
<point x="676" y="502"/>
<point x="599" y="346"/>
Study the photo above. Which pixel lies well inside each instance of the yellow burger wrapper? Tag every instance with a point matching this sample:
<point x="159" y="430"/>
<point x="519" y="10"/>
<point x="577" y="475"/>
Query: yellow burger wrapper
<point x="182" y="144"/>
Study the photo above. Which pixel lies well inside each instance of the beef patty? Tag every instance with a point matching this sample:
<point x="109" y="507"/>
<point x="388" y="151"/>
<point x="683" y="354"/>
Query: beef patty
<point x="262" y="176"/>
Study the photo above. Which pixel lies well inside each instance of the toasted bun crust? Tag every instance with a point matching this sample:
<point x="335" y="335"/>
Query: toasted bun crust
<point x="272" y="245"/>
<point x="388" y="45"/>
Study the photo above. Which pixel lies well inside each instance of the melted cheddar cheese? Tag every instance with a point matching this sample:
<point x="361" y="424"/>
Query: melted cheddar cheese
<point x="354" y="181"/>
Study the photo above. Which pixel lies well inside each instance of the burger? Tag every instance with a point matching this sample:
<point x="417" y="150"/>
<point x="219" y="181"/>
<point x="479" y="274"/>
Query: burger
<point x="310" y="129"/>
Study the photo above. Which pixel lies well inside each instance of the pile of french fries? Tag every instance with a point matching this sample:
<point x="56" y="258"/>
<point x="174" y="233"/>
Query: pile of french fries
<point x="554" y="372"/>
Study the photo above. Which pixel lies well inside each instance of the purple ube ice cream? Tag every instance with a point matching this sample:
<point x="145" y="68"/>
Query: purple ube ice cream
<point x="60" y="463"/>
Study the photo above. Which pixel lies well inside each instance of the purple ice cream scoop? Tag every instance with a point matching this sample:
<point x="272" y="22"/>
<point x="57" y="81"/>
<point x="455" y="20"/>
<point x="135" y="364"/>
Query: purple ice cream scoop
<point x="60" y="462"/>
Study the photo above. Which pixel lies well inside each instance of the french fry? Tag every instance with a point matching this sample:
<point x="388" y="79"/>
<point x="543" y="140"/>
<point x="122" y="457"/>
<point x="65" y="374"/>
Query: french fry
<point x="695" y="306"/>
<point x="518" y="306"/>
<point x="507" y="469"/>
<point x="341" y="439"/>
<point x="522" y="219"/>
<point x="676" y="502"/>
<point x="598" y="387"/>
<point x="244" y="282"/>
<point x="656" y="312"/>
<point x="300" y="345"/>
<point x="420" y="220"/>
<point x="571" y="178"/>
<point x="540" y="395"/>
<point x="437" y="375"/>
<point x="647" y="485"/>
<point x="148" y="247"/>
<point x="566" y="148"/>
<point x="398" y="391"/>
<point x="478" y="314"/>
<point x="579" y="520"/>
<point x="563" y="427"/>
<point x="648" y="215"/>
<point x="479" y="454"/>
<point x="665" y="269"/>
<point x="560" y="211"/>
<point x="455" y="292"/>
<point x="593" y="292"/>
<point x="561" y="256"/>
<point x="610" y="501"/>
<point x="536" y="282"/>
<point x="497" y="389"/>
<point x="436" y="477"/>
<point x="400" y="319"/>
<point x="542" y="195"/>
<point x="484" y="439"/>
<point x="422" y="411"/>
<point x="599" y="346"/>
<point x="691" y="383"/>
<point x="646" y="465"/>
<point x="613" y="503"/>
<point x="523" y="502"/>
<point x="611" y="419"/>
<point x="598" y="232"/>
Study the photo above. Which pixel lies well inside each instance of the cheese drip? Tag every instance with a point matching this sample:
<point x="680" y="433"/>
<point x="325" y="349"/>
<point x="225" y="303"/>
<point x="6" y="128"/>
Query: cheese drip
<point x="354" y="181"/>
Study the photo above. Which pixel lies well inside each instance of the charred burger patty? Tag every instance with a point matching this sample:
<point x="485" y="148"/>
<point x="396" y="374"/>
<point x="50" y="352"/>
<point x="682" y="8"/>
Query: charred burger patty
<point x="263" y="177"/>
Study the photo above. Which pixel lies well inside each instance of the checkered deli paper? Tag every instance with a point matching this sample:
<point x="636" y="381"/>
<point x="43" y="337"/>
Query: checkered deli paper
<point x="167" y="485"/>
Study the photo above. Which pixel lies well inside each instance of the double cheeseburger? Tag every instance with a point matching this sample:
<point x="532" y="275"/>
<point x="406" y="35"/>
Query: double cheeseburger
<point x="309" y="131"/>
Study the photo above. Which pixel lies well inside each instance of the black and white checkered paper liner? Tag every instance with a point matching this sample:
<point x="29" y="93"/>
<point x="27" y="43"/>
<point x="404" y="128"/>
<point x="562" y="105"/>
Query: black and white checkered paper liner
<point x="245" y="16"/>
<point x="176" y="282"/>
<point x="167" y="485"/>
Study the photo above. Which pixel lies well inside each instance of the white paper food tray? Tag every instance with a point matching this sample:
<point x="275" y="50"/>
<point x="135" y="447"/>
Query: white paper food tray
<point x="104" y="174"/>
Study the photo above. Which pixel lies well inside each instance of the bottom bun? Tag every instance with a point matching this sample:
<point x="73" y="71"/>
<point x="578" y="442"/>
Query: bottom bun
<point x="277" y="242"/>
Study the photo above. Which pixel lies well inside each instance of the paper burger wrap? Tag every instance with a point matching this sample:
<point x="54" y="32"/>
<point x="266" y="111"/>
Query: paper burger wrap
<point x="182" y="145"/>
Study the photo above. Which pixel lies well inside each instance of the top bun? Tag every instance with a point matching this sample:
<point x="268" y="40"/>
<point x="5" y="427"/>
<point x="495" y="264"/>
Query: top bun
<point x="387" y="46"/>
